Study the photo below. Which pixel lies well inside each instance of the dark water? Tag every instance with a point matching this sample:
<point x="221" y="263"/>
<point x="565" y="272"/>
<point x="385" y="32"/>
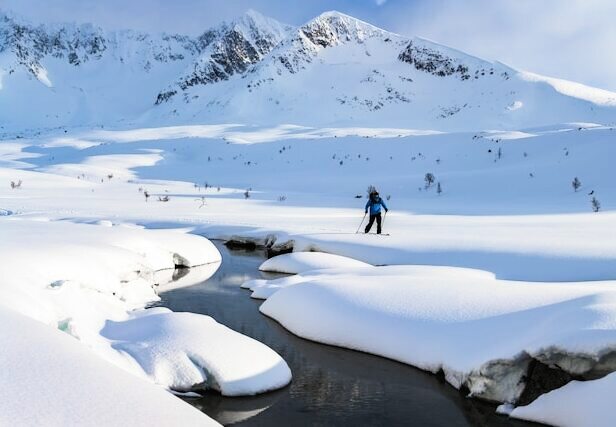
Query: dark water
<point x="331" y="386"/>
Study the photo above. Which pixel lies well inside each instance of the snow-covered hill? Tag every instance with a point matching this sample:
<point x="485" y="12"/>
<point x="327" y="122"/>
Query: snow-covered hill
<point x="335" y="69"/>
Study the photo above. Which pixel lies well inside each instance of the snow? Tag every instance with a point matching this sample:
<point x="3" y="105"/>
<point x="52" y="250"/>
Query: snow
<point x="49" y="378"/>
<point x="93" y="282"/>
<point x="507" y="264"/>
<point x="300" y="262"/>
<point x="180" y="350"/>
<point x="464" y="322"/>
<point x="580" y="404"/>
<point x="578" y="90"/>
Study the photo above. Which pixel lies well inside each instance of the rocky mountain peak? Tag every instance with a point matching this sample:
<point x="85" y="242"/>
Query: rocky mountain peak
<point x="333" y="28"/>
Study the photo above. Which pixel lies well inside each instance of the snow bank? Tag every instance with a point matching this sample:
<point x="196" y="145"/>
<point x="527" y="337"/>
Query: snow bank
<point x="49" y="378"/>
<point x="185" y="351"/>
<point x="579" y="404"/>
<point x="300" y="262"/>
<point x="89" y="280"/>
<point x="482" y="332"/>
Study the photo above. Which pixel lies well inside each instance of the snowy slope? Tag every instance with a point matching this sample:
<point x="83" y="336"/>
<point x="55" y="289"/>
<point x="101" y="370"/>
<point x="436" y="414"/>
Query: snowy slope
<point x="81" y="74"/>
<point x="334" y="69"/>
<point x="65" y="384"/>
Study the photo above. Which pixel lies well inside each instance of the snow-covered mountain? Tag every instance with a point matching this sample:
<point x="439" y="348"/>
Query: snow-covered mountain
<point x="335" y="69"/>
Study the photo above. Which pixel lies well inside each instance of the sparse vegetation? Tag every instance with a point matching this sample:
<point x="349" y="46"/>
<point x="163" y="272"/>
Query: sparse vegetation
<point x="429" y="180"/>
<point x="16" y="185"/>
<point x="576" y="184"/>
<point x="596" y="205"/>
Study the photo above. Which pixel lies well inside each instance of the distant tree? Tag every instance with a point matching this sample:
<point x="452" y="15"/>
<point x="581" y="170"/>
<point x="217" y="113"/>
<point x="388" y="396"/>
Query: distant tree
<point x="429" y="179"/>
<point x="596" y="206"/>
<point x="439" y="189"/>
<point x="576" y="184"/>
<point x="146" y="195"/>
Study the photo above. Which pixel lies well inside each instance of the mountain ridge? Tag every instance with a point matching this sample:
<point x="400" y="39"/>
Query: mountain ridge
<point x="332" y="69"/>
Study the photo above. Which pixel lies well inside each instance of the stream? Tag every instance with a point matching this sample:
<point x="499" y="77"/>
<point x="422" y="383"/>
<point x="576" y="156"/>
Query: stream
<point x="330" y="386"/>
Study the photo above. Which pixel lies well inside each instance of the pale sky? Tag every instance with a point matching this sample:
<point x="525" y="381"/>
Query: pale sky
<point x="571" y="39"/>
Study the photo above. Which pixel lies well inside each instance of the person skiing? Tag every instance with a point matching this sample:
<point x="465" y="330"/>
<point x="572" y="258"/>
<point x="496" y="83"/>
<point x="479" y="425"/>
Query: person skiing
<point x="374" y="204"/>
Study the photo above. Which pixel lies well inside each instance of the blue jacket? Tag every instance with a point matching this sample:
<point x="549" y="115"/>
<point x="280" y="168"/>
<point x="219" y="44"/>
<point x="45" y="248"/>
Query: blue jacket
<point x="375" y="206"/>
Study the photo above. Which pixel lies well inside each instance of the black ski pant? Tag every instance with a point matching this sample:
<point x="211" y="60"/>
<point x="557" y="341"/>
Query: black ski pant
<point x="376" y="217"/>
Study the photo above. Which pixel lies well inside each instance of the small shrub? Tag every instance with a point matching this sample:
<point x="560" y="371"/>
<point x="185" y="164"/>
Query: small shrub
<point x="576" y="184"/>
<point x="429" y="180"/>
<point x="596" y="206"/>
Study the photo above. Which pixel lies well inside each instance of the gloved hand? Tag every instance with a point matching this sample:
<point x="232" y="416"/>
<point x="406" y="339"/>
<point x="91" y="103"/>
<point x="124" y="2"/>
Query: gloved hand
<point x="366" y="212"/>
<point x="386" y="210"/>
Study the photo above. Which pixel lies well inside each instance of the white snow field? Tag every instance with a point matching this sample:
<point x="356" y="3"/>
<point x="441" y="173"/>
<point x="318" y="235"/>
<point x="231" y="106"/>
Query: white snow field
<point x="490" y="216"/>
<point x="121" y="152"/>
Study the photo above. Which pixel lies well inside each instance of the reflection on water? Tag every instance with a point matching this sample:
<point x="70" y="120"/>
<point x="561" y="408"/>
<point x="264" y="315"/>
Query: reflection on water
<point x="331" y="386"/>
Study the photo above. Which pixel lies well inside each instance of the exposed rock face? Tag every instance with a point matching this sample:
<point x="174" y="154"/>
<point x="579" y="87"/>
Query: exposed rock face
<point x="30" y="44"/>
<point x="229" y="50"/>
<point x="433" y="62"/>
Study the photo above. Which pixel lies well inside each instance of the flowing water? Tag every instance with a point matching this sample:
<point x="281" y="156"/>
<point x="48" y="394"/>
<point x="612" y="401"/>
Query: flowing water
<point x="331" y="386"/>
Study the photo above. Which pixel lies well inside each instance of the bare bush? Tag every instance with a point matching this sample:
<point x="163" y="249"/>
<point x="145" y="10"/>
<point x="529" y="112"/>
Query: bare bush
<point x="429" y="180"/>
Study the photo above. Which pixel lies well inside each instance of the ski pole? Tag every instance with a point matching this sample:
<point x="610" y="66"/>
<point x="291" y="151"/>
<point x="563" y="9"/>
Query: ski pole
<point x="384" y="216"/>
<point x="362" y="221"/>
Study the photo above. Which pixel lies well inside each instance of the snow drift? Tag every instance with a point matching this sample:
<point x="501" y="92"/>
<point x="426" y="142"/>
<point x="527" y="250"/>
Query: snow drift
<point x="93" y="283"/>
<point x="481" y="332"/>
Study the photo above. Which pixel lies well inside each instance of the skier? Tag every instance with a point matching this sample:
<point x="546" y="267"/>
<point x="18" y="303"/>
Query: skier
<point x="374" y="204"/>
